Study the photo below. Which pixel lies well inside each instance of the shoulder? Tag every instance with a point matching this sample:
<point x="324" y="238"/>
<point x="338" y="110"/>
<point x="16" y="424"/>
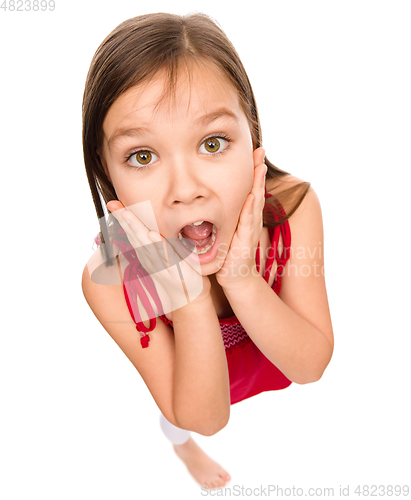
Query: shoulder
<point x="303" y="278"/>
<point x="103" y="289"/>
<point x="109" y="306"/>
<point x="104" y="292"/>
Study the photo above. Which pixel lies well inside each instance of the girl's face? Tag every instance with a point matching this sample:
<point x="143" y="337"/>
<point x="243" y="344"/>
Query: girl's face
<point x="191" y="156"/>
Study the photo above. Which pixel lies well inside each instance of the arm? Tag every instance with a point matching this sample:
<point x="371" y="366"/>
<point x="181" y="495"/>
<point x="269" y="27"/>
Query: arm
<point x="292" y="330"/>
<point x="185" y="372"/>
<point x="201" y="381"/>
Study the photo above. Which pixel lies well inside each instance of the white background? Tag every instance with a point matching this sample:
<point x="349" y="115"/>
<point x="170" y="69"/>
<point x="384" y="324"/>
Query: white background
<point x="332" y="81"/>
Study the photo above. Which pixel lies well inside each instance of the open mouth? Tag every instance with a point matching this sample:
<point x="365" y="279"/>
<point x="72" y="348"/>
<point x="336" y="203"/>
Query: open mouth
<point x="198" y="237"/>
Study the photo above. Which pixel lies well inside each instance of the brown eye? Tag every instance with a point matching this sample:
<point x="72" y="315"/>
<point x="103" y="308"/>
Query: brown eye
<point x="143" y="157"/>
<point x="212" y="144"/>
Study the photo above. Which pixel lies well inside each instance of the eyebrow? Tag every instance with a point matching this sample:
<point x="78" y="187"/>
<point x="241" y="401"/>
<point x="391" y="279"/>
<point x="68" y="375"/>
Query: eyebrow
<point x="215" y="115"/>
<point x="126" y="132"/>
<point x="202" y="120"/>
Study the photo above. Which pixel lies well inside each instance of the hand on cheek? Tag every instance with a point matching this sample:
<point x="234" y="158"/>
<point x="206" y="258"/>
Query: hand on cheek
<point x="239" y="264"/>
<point x="161" y="260"/>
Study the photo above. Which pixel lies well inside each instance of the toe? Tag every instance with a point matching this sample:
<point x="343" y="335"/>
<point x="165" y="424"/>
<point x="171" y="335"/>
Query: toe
<point x="221" y="482"/>
<point x="224" y="476"/>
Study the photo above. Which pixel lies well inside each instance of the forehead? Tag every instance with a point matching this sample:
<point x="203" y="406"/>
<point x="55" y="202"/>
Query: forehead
<point x="198" y="90"/>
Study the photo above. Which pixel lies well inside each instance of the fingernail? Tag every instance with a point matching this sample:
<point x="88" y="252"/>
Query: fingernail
<point x="155" y="236"/>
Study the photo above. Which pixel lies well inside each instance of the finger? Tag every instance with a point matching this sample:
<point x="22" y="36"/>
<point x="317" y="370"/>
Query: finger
<point x="130" y="223"/>
<point x="258" y="189"/>
<point x="114" y="205"/>
<point x="253" y="224"/>
<point x="258" y="156"/>
<point x="136" y="227"/>
<point x="246" y="217"/>
<point x="260" y="170"/>
<point x="159" y="249"/>
<point x="182" y="252"/>
<point x="140" y="235"/>
<point x="149" y="245"/>
<point x="247" y="235"/>
<point x="118" y="214"/>
<point x="117" y="209"/>
<point x="255" y="209"/>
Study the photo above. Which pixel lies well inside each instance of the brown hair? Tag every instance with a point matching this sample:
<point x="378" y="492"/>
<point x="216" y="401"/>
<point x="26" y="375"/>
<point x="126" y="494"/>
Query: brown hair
<point x="135" y="51"/>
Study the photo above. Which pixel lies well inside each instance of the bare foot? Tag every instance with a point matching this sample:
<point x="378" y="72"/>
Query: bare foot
<point x="205" y="471"/>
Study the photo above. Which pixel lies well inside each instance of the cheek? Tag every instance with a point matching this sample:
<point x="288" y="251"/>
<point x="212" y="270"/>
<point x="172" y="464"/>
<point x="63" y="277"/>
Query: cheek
<point x="121" y="179"/>
<point x="243" y="175"/>
<point x="240" y="184"/>
<point x="126" y="188"/>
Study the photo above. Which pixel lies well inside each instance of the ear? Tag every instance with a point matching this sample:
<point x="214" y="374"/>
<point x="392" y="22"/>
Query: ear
<point x="104" y="164"/>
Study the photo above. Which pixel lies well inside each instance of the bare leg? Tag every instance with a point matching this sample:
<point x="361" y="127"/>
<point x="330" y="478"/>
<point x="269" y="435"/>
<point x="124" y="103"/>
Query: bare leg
<point x="204" y="470"/>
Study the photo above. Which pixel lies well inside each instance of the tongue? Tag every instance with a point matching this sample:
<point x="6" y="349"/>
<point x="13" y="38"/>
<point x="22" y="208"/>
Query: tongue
<point x="197" y="233"/>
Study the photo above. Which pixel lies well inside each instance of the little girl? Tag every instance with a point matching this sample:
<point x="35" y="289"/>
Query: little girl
<point x="169" y="118"/>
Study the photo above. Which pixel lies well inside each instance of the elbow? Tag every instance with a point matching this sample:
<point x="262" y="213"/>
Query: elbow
<point x="214" y="427"/>
<point x="211" y="429"/>
<point x="314" y="371"/>
<point x="311" y="364"/>
<point x="310" y="374"/>
<point x="306" y="378"/>
<point x="206" y="427"/>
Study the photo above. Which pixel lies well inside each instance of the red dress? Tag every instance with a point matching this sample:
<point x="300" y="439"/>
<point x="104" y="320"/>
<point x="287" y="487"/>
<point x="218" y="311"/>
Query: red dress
<point x="250" y="372"/>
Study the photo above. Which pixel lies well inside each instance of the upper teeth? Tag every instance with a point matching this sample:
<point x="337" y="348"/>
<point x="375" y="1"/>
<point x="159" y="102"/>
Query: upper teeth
<point x="198" y="223"/>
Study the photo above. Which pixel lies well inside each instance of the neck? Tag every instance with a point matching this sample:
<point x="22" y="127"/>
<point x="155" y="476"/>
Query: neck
<point x="213" y="280"/>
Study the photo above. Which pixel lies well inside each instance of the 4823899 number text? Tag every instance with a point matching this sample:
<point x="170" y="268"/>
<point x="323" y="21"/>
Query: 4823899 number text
<point x="27" y="5"/>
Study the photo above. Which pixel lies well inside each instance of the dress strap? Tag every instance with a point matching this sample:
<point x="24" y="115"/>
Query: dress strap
<point x="275" y="232"/>
<point x="135" y="276"/>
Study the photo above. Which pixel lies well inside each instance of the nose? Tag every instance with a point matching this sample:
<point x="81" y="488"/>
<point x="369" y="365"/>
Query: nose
<point x="187" y="180"/>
